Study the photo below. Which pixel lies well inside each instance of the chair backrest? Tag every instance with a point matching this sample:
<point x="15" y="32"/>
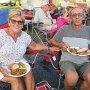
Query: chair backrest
<point x="4" y="26"/>
<point x="53" y="58"/>
<point x="62" y="21"/>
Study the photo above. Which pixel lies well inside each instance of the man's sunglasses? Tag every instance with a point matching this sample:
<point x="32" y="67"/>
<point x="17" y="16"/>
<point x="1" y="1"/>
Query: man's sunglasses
<point x="15" y="21"/>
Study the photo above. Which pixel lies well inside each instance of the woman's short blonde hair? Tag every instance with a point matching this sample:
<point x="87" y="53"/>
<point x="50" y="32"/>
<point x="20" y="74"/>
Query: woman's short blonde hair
<point x="16" y="12"/>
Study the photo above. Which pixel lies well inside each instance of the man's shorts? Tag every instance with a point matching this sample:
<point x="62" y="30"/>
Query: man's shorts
<point x="80" y="68"/>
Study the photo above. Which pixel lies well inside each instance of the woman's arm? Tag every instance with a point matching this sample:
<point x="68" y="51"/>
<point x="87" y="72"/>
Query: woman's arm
<point x="61" y="45"/>
<point x="35" y="46"/>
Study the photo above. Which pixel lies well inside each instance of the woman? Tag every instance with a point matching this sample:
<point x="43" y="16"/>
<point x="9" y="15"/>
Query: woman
<point x="13" y="44"/>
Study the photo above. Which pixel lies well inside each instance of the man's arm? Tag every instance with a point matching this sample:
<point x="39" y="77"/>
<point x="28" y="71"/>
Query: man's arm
<point x="55" y="43"/>
<point x="60" y="45"/>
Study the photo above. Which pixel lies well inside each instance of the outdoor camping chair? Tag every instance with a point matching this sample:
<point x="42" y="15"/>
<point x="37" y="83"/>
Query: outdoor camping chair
<point x="54" y="58"/>
<point x="4" y="26"/>
<point x="28" y="18"/>
<point x="31" y="56"/>
<point x="43" y="35"/>
<point x="62" y="21"/>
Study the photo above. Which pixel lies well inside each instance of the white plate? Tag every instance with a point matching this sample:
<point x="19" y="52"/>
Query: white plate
<point x="77" y="54"/>
<point x="27" y="68"/>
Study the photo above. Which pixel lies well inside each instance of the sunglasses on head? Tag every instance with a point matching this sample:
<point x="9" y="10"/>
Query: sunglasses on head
<point x="17" y="21"/>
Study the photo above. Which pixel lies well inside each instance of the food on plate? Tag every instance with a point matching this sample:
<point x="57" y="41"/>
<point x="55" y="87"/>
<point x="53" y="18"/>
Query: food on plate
<point x="17" y="68"/>
<point x="18" y="71"/>
<point x="73" y="50"/>
<point x="84" y="53"/>
<point x="82" y="50"/>
<point x="22" y="65"/>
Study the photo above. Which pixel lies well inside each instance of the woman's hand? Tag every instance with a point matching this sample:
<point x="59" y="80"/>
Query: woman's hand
<point x="4" y="72"/>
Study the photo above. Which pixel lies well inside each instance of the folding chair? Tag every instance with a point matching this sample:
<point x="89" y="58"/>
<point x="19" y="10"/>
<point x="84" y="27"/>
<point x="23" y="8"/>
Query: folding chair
<point x="36" y="33"/>
<point x="4" y="26"/>
<point x="54" y="58"/>
<point x="31" y="56"/>
<point x="39" y="30"/>
<point x="62" y="21"/>
<point x="28" y="18"/>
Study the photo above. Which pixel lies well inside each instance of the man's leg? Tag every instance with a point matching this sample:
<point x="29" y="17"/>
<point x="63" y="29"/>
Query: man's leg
<point x="71" y="76"/>
<point x="84" y="86"/>
<point x="84" y="72"/>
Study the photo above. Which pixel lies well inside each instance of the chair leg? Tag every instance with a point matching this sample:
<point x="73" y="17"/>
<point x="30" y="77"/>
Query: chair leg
<point x="35" y="58"/>
<point x="59" y="84"/>
<point x="38" y="36"/>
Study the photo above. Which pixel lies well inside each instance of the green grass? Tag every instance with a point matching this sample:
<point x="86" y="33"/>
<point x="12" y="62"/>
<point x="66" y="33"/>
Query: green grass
<point x="10" y="7"/>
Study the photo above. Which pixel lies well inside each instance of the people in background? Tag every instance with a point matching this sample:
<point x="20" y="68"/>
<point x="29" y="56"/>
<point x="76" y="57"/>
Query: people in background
<point x="68" y="10"/>
<point x="86" y="10"/>
<point x="74" y="67"/>
<point x="65" y="19"/>
<point x="13" y="45"/>
<point x="42" y="15"/>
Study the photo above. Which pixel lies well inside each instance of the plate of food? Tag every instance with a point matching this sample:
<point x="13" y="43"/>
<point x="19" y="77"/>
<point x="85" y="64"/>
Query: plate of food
<point x="18" y="69"/>
<point x="78" y="51"/>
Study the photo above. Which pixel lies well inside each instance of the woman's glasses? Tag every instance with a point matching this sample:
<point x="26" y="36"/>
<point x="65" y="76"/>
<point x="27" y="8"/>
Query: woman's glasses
<point x="17" y="21"/>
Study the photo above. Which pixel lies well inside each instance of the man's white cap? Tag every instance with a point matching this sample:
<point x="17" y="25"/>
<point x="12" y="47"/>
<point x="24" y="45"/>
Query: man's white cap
<point x="44" y="3"/>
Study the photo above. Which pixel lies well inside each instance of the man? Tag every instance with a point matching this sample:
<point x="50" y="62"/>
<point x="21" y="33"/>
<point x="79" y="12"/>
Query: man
<point x="74" y="67"/>
<point x="42" y="15"/>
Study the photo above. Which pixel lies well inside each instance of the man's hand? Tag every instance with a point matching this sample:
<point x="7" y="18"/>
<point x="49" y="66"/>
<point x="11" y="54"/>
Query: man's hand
<point x="64" y="46"/>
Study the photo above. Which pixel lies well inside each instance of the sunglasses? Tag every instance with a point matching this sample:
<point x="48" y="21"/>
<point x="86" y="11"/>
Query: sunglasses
<point x="15" y="21"/>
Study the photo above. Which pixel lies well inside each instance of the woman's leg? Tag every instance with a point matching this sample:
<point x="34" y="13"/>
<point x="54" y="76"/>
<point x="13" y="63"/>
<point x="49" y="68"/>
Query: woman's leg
<point x="21" y="84"/>
<point x="16" y="84"/>
<point x="29" y="81"/>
